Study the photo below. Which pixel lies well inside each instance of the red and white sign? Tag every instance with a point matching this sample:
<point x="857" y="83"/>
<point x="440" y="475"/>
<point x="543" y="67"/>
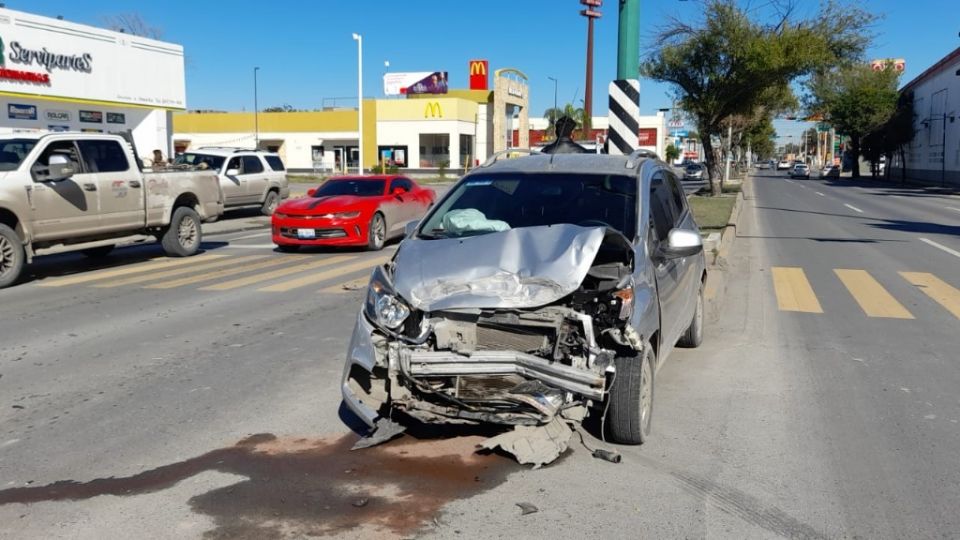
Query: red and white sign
<point x="479" y="80"/>
<point x="647" y="137"/>
<point x="899" y="64"/>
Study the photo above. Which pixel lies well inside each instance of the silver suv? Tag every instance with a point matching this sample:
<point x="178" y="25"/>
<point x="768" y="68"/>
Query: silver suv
<point x="538" y="291"/>
<point x="247" y="177"/>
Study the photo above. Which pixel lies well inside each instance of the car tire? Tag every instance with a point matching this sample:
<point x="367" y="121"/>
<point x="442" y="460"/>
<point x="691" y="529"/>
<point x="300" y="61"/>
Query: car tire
<point x="98" y="252"/>
<point x="630" y="401"/>
<point x="270" y="203"/>
<point x="288" y="248"/>
<point x="184" y="235"/>
<point x="693" y="336"/>
<point x="376" y="232"/>
<point x="12" y="256"/>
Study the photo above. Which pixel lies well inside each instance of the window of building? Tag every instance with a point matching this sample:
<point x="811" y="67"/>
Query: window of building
<point x="434" y="150"/>
<point x="466" y="150"/>
<point x="395" y="156"/>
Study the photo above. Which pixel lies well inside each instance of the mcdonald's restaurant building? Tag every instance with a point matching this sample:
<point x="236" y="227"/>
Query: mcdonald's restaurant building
<point x="418" y="133"/>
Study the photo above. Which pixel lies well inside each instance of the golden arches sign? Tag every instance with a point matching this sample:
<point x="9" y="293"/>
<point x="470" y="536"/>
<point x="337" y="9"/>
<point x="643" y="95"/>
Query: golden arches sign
<point x="478" y="68"/>
<point x="433" y="110"/>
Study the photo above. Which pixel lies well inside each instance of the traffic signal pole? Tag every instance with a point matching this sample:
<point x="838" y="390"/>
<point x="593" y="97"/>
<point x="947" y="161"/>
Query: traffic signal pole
<point x="628" y="40"/>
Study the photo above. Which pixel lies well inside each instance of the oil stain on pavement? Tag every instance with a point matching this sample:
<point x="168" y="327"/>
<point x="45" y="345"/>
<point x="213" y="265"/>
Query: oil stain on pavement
<point x="311" y="487"/>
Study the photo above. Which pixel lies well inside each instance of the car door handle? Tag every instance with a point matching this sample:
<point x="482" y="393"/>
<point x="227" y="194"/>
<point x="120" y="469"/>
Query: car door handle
<point x="89" y="187"/>
<point x="134" y="183"/>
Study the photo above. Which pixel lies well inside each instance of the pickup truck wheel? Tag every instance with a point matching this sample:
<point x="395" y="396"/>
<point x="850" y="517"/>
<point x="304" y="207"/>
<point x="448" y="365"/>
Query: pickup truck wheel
<point x="270" y="203"/>
<point x="631" y="398"/>
<point x="11" y="256"/>
<point x="182" y="238"/>
<point x="693" y="337"/>
<point x="98" y="252"/>
<point x="377" y="234"/>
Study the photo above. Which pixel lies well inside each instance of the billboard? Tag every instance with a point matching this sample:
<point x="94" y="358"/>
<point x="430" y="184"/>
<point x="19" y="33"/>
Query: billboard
<point x="55" y="58"/>
<point x="420" y="82"/>
<point x="21" y="112"/>
<point x="479" y="80"/>
<point x="880" y="64"/>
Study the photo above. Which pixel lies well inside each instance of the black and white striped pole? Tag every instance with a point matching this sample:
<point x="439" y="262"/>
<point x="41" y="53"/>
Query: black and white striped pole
<point x="623" y="134"/>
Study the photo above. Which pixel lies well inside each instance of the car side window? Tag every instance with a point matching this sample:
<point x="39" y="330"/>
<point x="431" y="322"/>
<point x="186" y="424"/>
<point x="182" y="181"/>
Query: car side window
<point x="252" y="165"/>
<point x="678" y="197"/>
<point x="103" y="156"/>
<point x="402" y="183"/>
<point x="274" y="162"/>
<point x="662" y="213"/>
<point x="237" y="164"/>
<point x="63" y="148"/>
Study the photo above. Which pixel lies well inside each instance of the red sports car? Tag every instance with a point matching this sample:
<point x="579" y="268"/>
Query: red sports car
<point x="350" y="211"/>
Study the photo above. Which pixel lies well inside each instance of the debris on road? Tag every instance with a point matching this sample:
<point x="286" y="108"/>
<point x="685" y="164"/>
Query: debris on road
<point x="527" y="508"/>
<point x="538" y="445"/>
<point x="361" y="502"/>
<point x="385" y="430"/>
<point x="607" y="455"/>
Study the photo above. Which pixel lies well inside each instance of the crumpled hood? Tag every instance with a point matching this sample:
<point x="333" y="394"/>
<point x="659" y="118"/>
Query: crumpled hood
<point x="323" y="205"/>
<point x="520" y="268"/>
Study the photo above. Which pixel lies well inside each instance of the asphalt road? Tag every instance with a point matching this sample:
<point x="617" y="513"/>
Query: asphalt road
<point x="147" y="398"/>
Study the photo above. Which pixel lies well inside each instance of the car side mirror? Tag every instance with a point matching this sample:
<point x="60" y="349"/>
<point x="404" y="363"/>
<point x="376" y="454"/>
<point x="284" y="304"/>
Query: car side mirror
<point x="681" y="243"/>
<point x="411" y="227"/>
<point x="311" y="192"/>
<point x="398" y="192"/>
<point x="59" y="168"/>
<point x="233" y="172"/>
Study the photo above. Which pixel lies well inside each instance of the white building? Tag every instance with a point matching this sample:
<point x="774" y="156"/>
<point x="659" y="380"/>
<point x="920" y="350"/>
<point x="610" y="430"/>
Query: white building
<point x="934" y="154"/>
<point x="56" y="75"/>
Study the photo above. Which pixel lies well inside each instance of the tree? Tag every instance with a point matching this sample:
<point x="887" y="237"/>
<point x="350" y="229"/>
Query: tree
<point x="132" y="23"/>
<point x="856" y="100"/>
<point x="554" y="114"/>
<point x="730" y="64"/>
<point x="673" y="153"/>
<point x="282" y="108"/>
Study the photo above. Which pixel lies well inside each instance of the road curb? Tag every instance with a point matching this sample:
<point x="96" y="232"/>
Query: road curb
<point x="716" y="271"/>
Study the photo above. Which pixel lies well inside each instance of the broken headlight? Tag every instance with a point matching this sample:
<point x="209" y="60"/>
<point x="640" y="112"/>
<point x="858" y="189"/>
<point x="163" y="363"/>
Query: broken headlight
<point x="383" y="306"/>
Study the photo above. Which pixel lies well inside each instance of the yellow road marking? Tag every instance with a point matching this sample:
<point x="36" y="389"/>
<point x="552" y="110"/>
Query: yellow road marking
<point x="127" y="270"/>
<point x="793" y="290"/>
<point x="259" y="278"/>
<point x="936" y="288"/>
<point x="224" y="273"/>
<point x="872" y="297"/>
<point x="324" y="276"/>
<point x="177" y="271"/>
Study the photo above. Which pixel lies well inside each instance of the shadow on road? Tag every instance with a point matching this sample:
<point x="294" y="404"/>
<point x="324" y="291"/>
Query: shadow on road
<point x="309" y="487"/>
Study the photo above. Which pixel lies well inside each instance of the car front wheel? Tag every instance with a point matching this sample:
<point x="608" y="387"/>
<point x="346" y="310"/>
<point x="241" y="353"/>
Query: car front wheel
<point x="377" y="233"/>
<point x="631" y="398"/>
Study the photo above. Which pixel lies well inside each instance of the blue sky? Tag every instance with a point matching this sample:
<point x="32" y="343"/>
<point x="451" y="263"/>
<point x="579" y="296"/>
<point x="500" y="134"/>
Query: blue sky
<point x="306" y="53"/>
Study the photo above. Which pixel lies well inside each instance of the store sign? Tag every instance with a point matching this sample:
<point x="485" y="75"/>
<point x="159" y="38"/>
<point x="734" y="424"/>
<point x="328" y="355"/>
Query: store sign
<point x="647" y="137"/>
<point x="91" y="117"/>
<point x="22" y="112"/>
<point x="116" y="118"/>
<point x="55" y="127"/>
<point x="515" y="91"/>
<point x="479" y="80"/>
<point x="48" y="60"/>
<point x="57" y="116"/>
<point x="433" y="110"/>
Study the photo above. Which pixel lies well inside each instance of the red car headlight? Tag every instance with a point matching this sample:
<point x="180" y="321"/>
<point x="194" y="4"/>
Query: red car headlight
<point x="278" y="215"/>
<point x="343" y="215"/>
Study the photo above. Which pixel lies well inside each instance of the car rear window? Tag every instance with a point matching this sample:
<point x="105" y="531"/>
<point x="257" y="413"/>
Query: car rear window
<point x="275" y="163"/>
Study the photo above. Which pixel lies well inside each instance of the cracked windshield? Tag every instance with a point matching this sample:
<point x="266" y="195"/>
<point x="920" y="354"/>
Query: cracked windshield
<point x="544" y="269"/>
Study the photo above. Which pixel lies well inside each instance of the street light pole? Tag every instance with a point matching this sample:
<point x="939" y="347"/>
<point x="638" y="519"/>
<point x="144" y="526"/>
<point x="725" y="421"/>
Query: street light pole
<point x="359" y="39"/>
<point x="256" y="111"/>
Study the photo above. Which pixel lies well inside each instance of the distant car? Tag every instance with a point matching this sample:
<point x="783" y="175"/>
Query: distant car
<point x="351" y="211"/>
<point x="830" y="171"/>
<point x="763" y="164"/>
<point x="783" y="165"/>
<point x="247" y="177"/>
<point x="693" y="171"/>
<point x="800" y="170"/>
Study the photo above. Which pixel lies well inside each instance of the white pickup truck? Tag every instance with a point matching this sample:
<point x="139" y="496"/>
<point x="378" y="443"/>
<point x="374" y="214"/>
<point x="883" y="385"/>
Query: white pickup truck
<point x="87" y="192"/>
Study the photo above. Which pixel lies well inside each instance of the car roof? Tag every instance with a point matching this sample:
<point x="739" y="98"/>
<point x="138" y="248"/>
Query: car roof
<point x="224" y="151"/>
<point x="366" y="177"/>
<point x="568" y="163"/>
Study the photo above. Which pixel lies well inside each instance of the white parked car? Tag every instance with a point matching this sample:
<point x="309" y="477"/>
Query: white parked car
<point x="247" y="177"/>
<point x="800" y="170"/>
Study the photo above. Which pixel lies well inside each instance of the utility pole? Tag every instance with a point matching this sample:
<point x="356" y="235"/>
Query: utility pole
<point x="256" y="112"/>
<point x="359" y="39"/>
<point x="592" y="12"/>
<point x="628" y="40"/>
<point x="726" y="167"/>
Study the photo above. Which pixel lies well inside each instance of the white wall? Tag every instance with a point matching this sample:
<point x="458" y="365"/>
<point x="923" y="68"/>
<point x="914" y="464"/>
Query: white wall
<point x="407" y="133"/>
<point x="296" y="148"/>
<point x="934" y="97"/>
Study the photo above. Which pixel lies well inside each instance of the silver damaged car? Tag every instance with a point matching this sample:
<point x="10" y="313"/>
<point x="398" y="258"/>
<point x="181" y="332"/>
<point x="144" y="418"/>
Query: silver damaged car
<point x="540" y="290"/>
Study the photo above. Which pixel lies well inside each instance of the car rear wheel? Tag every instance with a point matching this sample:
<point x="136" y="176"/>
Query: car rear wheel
<point x="270" y="203"/>
<point x="377" y="234"/>
<point x="693" y="337"/>
<point x="182" y="238"/>
<point x="630" y="406"/>
<point x="11" y="256"/>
